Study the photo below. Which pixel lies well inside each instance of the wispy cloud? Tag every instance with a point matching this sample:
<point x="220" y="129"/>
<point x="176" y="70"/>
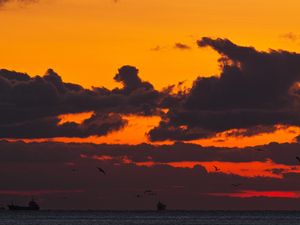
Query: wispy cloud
<point x="290" y="36"/>
<point x="182" y="46"/>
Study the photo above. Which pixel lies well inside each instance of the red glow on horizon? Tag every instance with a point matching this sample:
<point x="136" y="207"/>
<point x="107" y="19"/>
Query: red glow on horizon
<point x="244" y="169"/>
<point x="255" y="194"/>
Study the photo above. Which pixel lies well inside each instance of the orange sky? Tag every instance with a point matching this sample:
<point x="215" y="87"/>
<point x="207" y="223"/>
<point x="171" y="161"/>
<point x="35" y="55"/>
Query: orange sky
<point x="243" y="169"/>
<point x="268" y="194"/>
<point x="247" y="169"/>
<point x="138" y="126"/>
<point x="86" y="41"/>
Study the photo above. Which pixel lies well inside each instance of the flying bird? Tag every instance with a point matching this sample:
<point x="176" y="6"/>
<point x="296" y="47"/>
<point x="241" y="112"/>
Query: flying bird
<point x="216" y="169"/>
<point x="298" y="159"/>
<point x="101" y="170"/>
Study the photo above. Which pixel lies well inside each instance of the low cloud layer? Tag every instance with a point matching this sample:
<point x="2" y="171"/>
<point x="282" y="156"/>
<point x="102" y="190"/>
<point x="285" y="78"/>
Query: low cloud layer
<point x="66" y="176"/>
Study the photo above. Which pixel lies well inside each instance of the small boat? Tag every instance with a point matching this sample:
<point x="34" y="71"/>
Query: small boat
<point x="161" y="207"/>
<point x="32" y="205"/>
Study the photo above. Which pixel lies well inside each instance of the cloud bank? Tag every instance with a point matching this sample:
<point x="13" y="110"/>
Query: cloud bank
<point x="30" y="106"/>
<point x="65" y="176"/>
<point x="255" y="92"/>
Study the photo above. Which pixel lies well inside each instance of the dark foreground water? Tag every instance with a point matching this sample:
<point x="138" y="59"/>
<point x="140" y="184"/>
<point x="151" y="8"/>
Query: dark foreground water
<point x="149" y="218"/>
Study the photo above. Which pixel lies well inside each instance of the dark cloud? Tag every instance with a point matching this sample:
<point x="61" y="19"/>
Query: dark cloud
<point x="298" y="139"/>
<point x="179" y="152"/>
<point x="255" y="91"/>
<point x="128" y="76"/>
<point x="30" y="105"/>
<point x="178" y="133"/>
<point x="252" y="131"/>
<point x="98" y="125"/>
<point x="181" y="46"/>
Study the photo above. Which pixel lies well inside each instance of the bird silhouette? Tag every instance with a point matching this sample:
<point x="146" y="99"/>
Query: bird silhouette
<point x="138" y="196"/>
<point x="101" y="170"/>
<point x="216" y="169"/>
<point x="298" y="159"/>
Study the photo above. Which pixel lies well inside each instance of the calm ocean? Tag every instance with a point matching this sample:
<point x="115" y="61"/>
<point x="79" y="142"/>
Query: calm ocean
<point x="149" y="218"/>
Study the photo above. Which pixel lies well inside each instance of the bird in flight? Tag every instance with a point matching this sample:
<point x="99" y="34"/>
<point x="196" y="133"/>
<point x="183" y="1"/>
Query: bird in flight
<point x="216" y="169"/>
<point x="298" y="159"/>
<point x="101" y="170"/>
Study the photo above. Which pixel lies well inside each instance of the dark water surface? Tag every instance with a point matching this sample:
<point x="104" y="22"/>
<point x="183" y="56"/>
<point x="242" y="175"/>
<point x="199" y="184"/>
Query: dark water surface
<point x="149" y="218"/>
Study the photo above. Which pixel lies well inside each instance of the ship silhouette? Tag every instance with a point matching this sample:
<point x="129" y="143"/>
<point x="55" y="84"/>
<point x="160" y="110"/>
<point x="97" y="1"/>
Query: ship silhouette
<point x="160" y="206"/>
<point x="32" y="205"/>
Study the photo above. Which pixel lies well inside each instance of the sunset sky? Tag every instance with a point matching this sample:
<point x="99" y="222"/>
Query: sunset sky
<point x="204" y="92"/>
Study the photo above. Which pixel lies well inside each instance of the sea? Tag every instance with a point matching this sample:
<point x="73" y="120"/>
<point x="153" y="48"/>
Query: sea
<point x="150" y="218"/>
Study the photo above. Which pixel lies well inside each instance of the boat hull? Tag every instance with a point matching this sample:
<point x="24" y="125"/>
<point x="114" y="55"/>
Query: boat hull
<point x="15" y="207"/>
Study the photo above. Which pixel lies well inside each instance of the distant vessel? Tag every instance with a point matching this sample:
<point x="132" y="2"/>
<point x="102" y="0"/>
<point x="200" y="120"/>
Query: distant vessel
<point x="161" y="207"/>
<point x="32" y="205"/>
